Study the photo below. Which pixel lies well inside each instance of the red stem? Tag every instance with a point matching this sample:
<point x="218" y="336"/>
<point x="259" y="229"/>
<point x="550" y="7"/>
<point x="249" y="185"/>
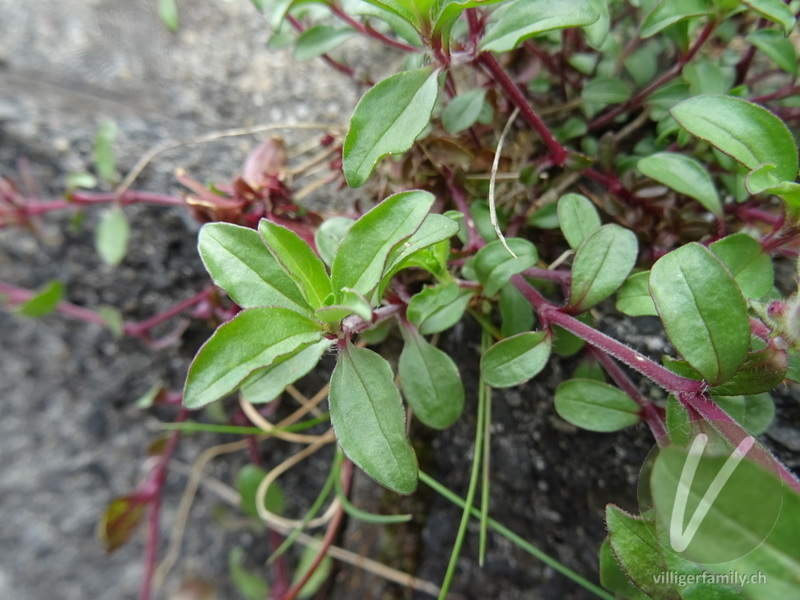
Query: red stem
<point x="157" y="478"/>
<point x="652" y="414"/>
<point x="558" y="153"/>
<point x="141" y="329"/>
<point x="550" y="314"/>
<point x="709" y="410"/>
<point x="668" y="75"/>
<point x="369" y="31"/>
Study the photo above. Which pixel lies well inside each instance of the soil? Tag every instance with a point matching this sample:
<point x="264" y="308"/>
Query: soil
<point x="70" y="435"/>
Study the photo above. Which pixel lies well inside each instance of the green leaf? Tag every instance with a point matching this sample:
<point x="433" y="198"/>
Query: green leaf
<point x="105" y="161"/>
<point x="430" y="381"/>
<point x="711" y="591"/>
<point x="434" y="229"/>
<point x="602" y="264"/>
<point x="168" y="11"/>
<point x="754" y="412"/>
<point x="463" y="111"/>
<point x="494" y="266"/>
<point x="777" y="47"/>
<point x="86" y="181"/>
<point x="577" y="217"/>
<point x="299" y="261"/>
<point x="387" y="120"/>
<point x="252" y="340"/>
<point x="44" y="302"/>
<point x="240" y="263"/>
<point x="634" y="544"/>
<point x="369" y="421"/>
<point x="447" y="11"/>
<point x="437" y="308"/>
<point x="774" y="10"/>
<point x="634" y="299"/>
<point x="613" y="578"/>
<point x="113" y="320"/>
<point x="747" y="132"/>
<point x="405" y="9"/>
<point x="773" y="568"/>
<point x="359" y="262"/>
<point x="247" y="481"/>
<point x="267" y="384"/>
<point x="112" y="236"/>
<point x="669" y="12"/>
<point x="517" y="21"/>
<point x="602" y="91"/>
<point x="679" y="423"/>
<point x="348" y="302"/>
<point x="685" y="175"/>
<point x="516" y="313"/>
<point x="329" y="235"/>
<point x="703" y="311"/>
<point x="597" y="32"/>
<point x="250" y="585"/>
<point x="596" y="406"/>
<point x="318" y="40"/>
<point x="750" y="266"/>
<point x="516" y="359"/>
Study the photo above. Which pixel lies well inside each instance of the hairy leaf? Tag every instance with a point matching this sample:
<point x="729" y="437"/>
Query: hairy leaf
<point x="516" y="359"/>
<point x="252" y="340"/>
<point x="596" y="406"/>
<point x="685" y="175"/>
<point x="703" y="311"/>
<point x="602" y="264"/>
<point x="387" y="120"/>
<point x="240" y="263"/>
<point x="430" y="381"/>
<point x="369" y="420"/>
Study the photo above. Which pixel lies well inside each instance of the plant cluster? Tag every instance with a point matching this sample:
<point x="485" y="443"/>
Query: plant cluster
<point x="548" y="162"/>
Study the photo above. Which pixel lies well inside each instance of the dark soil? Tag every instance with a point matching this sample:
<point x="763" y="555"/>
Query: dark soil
<point x="70" y="436"/>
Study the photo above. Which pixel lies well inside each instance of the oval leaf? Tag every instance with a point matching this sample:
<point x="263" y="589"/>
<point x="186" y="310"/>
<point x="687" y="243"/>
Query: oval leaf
<point x="602" y="264"/>
<point x="669" y="12"/>
<point x="596" y="406"/>
<point x="516" y="359"/>
<point x="750" y="266"/>
<point x="745" y="131"/>
<point x="369" y="421"/>
<point x="463" y="111"/>
<point x="685" y="175"/>
<point x="774" y="10"/>
<point x="387" y="120"/>
<point x="318" y="40"/>
<point x="517" y="21"/>
<point x="251" y="340"/>
<point x="577" y="218"/>
<point x="329" y="235"/>
<point x="299" y="261"/>
<point x="634" y="299"/>
<point x="494" y="266"/>
<point x="360" y="259"/>
<point x="702" y="309"/>
<point x="430" y="381"/>
<point x="112" y="236"/>
<point x="240" y="263"/>
<point x="435" y="309"/>
<point x="44" y="302"/>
